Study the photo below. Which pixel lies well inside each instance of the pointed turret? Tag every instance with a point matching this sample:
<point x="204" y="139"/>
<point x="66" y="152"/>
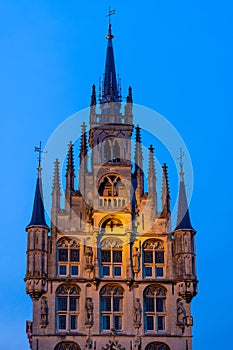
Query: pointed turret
<point x="165" y="193"/>
<point x="38" y="217"/>
<point x="184" y="245"/>
<point x="138" y="158"/>
<point x="183" y="218"/>
<point x="37" y="253"/>
<point x="110" y="91"/>
<point x="56" y="195"/>
<point x="152" y="193"/>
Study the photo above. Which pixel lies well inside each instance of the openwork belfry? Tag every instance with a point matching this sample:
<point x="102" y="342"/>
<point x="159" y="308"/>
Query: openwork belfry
<point x="109" y="272"/>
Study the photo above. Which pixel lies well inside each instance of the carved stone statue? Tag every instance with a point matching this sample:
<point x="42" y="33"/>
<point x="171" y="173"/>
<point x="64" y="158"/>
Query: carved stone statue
<point x="181" y="314"/>
<point x="137" y="343"/>
<point x="44" y="313"/>
<point x="89" y="311"/>
<point x="137" y="312"/>
<point x="89" y="343"/>
<point x="136" y="260"/>
<point x="89" y="211"/>
<point x="88" y="256"/>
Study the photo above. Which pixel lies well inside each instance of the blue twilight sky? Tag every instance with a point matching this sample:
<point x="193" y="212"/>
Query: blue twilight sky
<point x="177" y="55"/>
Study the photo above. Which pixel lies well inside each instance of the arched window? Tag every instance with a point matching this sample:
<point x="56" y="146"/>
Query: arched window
<point x="153" y="258"/>
<point x="111" y="306"/>
<point x="67" y="346"/>
<point x="116" y="152"/>
<point x="157" y="346"/>
<point x="68" y="257"/>
<point x="111" y="257"/>
<point x="107" y="151"/>
<point x="109" y="186"/>
<point x="155" y="308"/>
<point x="67" y="306"/>
<point x="111" y="150"/>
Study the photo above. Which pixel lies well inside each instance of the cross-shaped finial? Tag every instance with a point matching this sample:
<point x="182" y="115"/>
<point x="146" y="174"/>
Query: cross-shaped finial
<point x="39" y="150"/>
<point x="110" y="13"/>
<point x="181" y="160"/>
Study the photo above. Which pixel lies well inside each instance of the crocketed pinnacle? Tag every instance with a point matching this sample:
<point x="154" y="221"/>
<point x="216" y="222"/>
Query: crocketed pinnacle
<point x="56" y="177"/>
<point x="93" y="96"/>
<point x="129" y="98"/>
<point x="138" y="157"/>
<point x="70" y="160"/>
<point x="165" y="193"/>
<point x="83" y="144"/>
<point x="151" y="172"/>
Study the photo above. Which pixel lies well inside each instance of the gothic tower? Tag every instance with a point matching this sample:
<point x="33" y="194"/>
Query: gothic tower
<point x="110" y="273"/>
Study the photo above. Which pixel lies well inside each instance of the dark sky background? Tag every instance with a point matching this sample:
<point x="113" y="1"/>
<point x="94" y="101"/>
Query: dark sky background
<point x="177" y="55"/>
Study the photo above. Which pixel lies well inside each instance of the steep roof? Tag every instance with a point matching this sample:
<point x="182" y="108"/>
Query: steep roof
<point x="38" y="217"/>
<point x="183" y="217"/>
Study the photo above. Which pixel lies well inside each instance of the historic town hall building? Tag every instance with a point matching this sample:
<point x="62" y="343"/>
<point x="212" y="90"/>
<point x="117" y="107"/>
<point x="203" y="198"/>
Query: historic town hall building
<point x="109" y="272"/>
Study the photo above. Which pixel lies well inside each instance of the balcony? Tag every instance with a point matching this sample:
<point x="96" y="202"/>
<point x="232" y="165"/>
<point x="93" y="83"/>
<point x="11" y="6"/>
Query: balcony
<point x="112" y="203"/>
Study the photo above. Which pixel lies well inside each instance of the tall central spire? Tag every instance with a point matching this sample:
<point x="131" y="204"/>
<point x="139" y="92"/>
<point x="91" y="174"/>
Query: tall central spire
<point x="110" y="91"/>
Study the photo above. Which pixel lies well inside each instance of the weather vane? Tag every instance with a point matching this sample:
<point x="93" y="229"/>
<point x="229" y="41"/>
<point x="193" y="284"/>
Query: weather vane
<point x="39" y="150"/>
<point x="110" y="13"/>
<point x="181" y="159"/>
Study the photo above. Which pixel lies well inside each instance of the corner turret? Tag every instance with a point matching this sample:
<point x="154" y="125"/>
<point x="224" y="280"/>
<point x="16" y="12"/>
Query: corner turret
<point x="184" y="244"/>
<point x="37" y="254"/>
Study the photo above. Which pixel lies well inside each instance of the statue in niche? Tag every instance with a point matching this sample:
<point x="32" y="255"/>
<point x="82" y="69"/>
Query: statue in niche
<point x="88" y="343"/>
<point x="136" y="260"/>
<point x="44" y="313"/>
<point x="88" y="256"/>
<point x="137" y="343"/>
<point x="89" y="211"/>
<point x="181" y="314"/>
<point x="89" y="311"/>
<point x="137" y="312"/>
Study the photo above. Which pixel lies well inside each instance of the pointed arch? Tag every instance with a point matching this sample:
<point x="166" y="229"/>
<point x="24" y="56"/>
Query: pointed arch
<point x="157" y="346"/>
<point x="153" y="258"/>
<point x="67" y="346"/>
<point x="68" y="257"/>
<point x="111" y="306"/>
<point x="67" y="308"/>
<point x="107" y="151"/>
<point x="155" y="308"/>
<point x="116" y="152"/>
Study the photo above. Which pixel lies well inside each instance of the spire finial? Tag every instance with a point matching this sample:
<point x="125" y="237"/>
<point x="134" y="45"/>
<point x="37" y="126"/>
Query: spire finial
<point x="110" y="92"/>
<point x="40" y="152"/>
<point x="181" y="163"/>
<point x="110" y="13"/>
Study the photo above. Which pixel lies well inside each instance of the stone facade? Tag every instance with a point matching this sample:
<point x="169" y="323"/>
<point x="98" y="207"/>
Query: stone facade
<point x="109" y="273"/>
